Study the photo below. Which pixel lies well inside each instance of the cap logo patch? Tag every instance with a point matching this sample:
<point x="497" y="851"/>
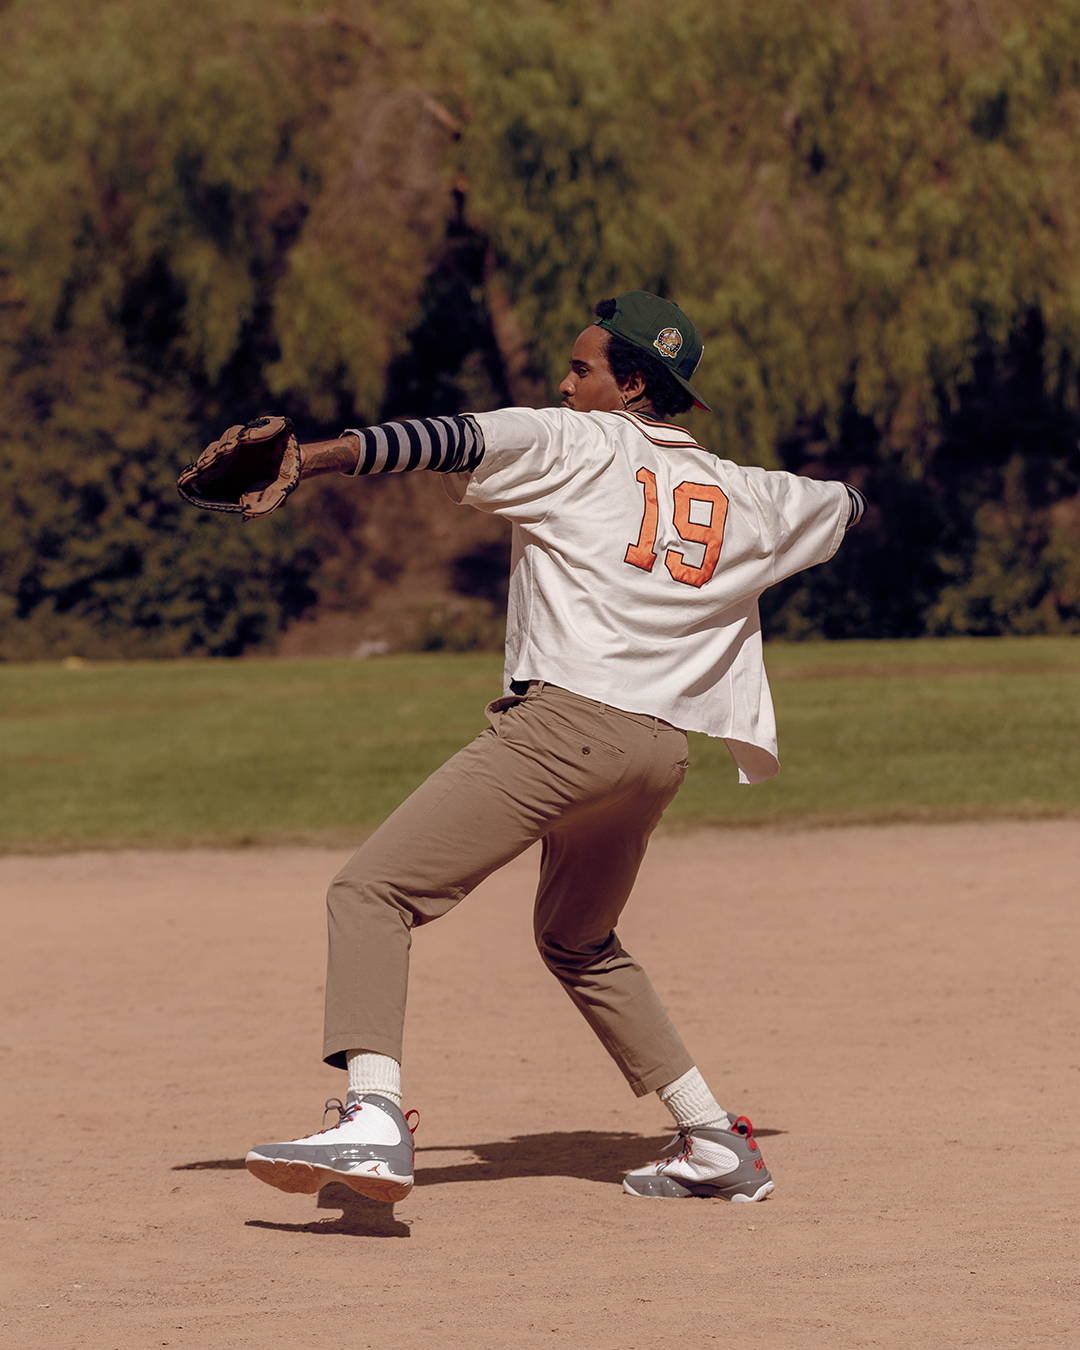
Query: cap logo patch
<point x="668" y="342"/>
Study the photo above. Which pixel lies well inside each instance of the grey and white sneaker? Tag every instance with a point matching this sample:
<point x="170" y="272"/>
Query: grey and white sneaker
<point x="370" y="1149"/>
<point x="722" y="1163"/>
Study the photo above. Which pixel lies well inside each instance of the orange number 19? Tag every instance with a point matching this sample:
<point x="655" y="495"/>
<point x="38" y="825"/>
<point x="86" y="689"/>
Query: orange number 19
<point x="711" y="534"/>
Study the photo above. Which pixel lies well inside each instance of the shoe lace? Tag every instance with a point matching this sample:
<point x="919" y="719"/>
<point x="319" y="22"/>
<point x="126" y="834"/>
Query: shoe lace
<point x="347" y="1112"/>
<point x="684" y="1145"/>
<point x="687" y="1149"/>
<point x="344" y="1112"/>
<point x="676" y="1149"/>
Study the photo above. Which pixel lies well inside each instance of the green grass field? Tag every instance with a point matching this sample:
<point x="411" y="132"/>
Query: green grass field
<point x="217" y="752"/>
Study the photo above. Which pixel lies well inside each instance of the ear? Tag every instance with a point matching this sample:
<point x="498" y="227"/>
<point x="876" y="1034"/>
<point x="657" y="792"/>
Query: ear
<point x="632" y="387"/>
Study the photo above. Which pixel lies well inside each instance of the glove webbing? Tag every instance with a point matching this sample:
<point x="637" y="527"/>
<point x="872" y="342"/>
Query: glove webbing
<point x="444" y="444"/>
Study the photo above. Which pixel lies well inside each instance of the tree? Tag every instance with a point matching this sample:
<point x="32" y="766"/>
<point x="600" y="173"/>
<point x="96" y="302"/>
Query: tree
<point x="871" y="210"/>
<point x="97" y="555"/>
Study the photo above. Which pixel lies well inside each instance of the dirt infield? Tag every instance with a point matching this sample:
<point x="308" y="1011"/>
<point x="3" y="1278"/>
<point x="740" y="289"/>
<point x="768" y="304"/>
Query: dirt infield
<point x="894" y="1008"/>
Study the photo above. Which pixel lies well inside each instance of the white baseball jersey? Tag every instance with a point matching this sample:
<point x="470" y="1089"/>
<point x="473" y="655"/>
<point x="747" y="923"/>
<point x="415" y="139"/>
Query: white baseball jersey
<point x="638" y="558"/>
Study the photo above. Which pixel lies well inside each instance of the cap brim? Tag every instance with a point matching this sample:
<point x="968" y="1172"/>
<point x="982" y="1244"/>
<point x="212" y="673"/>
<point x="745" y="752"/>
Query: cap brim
<point x="699" y="402"/>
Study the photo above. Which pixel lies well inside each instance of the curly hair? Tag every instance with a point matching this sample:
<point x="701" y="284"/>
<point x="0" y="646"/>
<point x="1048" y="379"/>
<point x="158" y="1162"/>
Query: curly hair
<point x="667" y="396"/>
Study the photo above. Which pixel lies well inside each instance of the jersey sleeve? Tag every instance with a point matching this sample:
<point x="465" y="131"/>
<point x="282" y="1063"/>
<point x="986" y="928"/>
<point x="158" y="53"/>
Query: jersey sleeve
<point x="447" y="445"/>
<point x="803" y="520"/>
<point x="531" y="457"/>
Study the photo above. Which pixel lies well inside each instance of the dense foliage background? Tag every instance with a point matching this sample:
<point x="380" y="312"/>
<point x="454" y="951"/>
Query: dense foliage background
<point x="871" y="208"/>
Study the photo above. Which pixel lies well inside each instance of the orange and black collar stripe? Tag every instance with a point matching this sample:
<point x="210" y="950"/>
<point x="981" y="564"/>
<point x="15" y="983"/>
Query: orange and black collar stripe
<point x="643" y="423"/>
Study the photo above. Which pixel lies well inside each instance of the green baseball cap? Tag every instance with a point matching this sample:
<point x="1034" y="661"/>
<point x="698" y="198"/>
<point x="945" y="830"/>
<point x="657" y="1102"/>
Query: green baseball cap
<point x="660" y="329"/>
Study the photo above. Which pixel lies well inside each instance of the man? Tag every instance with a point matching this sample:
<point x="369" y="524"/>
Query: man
<point x="638" y="559"/>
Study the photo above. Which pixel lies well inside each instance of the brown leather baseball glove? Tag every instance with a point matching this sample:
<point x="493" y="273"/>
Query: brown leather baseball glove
<point x="251" y="469"/>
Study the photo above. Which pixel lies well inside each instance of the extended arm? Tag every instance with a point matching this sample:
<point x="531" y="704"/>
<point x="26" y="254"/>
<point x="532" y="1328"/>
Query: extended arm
<point x="442" y="444"/>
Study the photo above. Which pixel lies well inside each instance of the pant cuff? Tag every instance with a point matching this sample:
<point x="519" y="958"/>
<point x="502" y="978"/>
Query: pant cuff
<point x="658" y="1078"/>
<point x="336" y="1047"/>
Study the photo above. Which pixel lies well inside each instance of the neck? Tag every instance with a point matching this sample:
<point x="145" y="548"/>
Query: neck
<point x="642" y="406"/>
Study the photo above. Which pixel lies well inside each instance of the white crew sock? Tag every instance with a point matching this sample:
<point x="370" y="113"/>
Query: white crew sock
<point x="369" y="1072"/>
<point x="692" y="1104"/>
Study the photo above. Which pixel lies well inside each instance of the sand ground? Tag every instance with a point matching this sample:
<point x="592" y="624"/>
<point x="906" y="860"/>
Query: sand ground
<point x="894" y="1008"/>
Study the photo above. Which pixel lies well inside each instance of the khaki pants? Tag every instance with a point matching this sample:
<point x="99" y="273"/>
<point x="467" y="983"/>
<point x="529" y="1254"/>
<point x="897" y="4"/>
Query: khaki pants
<point x="588" y="780"/>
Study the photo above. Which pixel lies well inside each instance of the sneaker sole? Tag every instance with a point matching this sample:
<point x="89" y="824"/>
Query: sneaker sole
<point x="301" y="1178"/>
<point x="702" y="1192"/>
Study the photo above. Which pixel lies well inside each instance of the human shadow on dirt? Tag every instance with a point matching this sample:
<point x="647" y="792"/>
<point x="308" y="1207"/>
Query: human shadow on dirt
<point x="359" y="1217"/>
<point x="211" y="1165"/>
<point x="589" y="1155"/>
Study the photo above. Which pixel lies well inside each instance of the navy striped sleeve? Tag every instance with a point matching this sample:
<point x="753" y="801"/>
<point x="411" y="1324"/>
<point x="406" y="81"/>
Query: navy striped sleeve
<point x="442" y="444"/>
<point x="857" y="506"/>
